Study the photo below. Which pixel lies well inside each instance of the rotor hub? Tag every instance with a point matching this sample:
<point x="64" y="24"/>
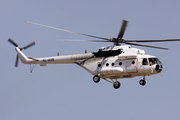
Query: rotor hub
<point x="113" y="39"/>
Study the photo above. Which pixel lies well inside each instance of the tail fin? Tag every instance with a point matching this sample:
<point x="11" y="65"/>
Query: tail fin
<point x="22" y="56"/>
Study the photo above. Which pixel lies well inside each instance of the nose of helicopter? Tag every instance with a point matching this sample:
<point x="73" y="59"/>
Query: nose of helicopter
<point x="159" y="67"/>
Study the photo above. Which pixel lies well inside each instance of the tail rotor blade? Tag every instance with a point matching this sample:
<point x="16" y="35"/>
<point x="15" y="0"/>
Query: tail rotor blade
<point x="12" y="42"/>
<point x="17" y="61"/>
<point x="17" y="57"/>
<point x="27" y="46"/>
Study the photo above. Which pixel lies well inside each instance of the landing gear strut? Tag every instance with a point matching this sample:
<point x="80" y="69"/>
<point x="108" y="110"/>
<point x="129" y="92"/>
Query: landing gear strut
<point x="143" y="81"/>
<point x="116" y="84"/>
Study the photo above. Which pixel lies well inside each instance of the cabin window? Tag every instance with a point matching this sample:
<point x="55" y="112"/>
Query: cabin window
<point x="99" y="65"/>
<point x="133" y="62"/>
<point x="144" y="62"/>
<point x="120" y="63"/>
<point x="112" y="64"/>
<point x="107" y="64"/>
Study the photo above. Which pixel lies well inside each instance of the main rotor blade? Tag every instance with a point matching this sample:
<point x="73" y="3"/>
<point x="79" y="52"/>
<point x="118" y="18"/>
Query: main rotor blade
<point x="122" y="30"/>
<point x="147" y="46"/>
<point x="83" y="40"/>
<point x="27" y="46"/>
<point x="12" y="42"/>
<point x="165" y="40"/>
<point x="66" y="30"/>
<point x="17" y="61"/>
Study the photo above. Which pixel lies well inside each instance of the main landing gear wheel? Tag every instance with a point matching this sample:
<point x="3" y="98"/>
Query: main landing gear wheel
<point x="116" y="84"/>
<point x="96" y="78"/>
<point x="142" y="82"/>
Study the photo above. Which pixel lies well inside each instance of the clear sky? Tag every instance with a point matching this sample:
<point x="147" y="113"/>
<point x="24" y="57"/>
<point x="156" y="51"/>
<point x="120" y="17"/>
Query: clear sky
<point x="67" y="92"/>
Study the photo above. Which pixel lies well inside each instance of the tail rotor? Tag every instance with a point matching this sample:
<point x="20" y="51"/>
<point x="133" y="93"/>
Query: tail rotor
<point x="16" y="45"/>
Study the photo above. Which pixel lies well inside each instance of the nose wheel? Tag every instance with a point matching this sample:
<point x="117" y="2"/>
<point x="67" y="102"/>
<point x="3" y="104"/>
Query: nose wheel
<point x="143" y="81"/>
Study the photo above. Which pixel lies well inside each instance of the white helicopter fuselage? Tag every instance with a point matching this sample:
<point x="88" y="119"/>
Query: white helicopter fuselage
<point x="112" y="62"/>
<point x="129" y="63"/>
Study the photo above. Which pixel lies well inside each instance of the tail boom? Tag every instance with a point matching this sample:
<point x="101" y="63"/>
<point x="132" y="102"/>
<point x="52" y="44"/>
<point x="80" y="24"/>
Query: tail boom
<point x="67" y="59"/>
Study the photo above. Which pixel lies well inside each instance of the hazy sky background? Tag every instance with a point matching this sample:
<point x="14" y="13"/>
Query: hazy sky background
<point x="67" y="92"/>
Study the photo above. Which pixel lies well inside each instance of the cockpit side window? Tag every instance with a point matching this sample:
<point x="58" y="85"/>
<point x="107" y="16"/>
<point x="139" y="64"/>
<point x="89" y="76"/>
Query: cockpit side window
<point x="144" y="61"/>
<point x="153" y="61"/>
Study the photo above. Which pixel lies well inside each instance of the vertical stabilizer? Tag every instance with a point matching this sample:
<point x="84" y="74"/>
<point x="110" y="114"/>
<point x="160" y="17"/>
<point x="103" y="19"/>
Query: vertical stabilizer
<point x="22" y="56"/>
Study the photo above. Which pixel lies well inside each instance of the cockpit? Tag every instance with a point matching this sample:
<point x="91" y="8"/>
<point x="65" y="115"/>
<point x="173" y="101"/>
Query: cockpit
<point x="153" y="61"/>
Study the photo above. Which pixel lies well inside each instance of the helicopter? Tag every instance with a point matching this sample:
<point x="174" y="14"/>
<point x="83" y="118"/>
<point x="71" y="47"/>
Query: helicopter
<point x="108" y="63"/>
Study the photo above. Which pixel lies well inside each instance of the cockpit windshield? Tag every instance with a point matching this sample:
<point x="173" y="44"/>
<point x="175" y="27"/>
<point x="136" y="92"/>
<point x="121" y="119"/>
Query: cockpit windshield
<point x="153" y="61"/>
